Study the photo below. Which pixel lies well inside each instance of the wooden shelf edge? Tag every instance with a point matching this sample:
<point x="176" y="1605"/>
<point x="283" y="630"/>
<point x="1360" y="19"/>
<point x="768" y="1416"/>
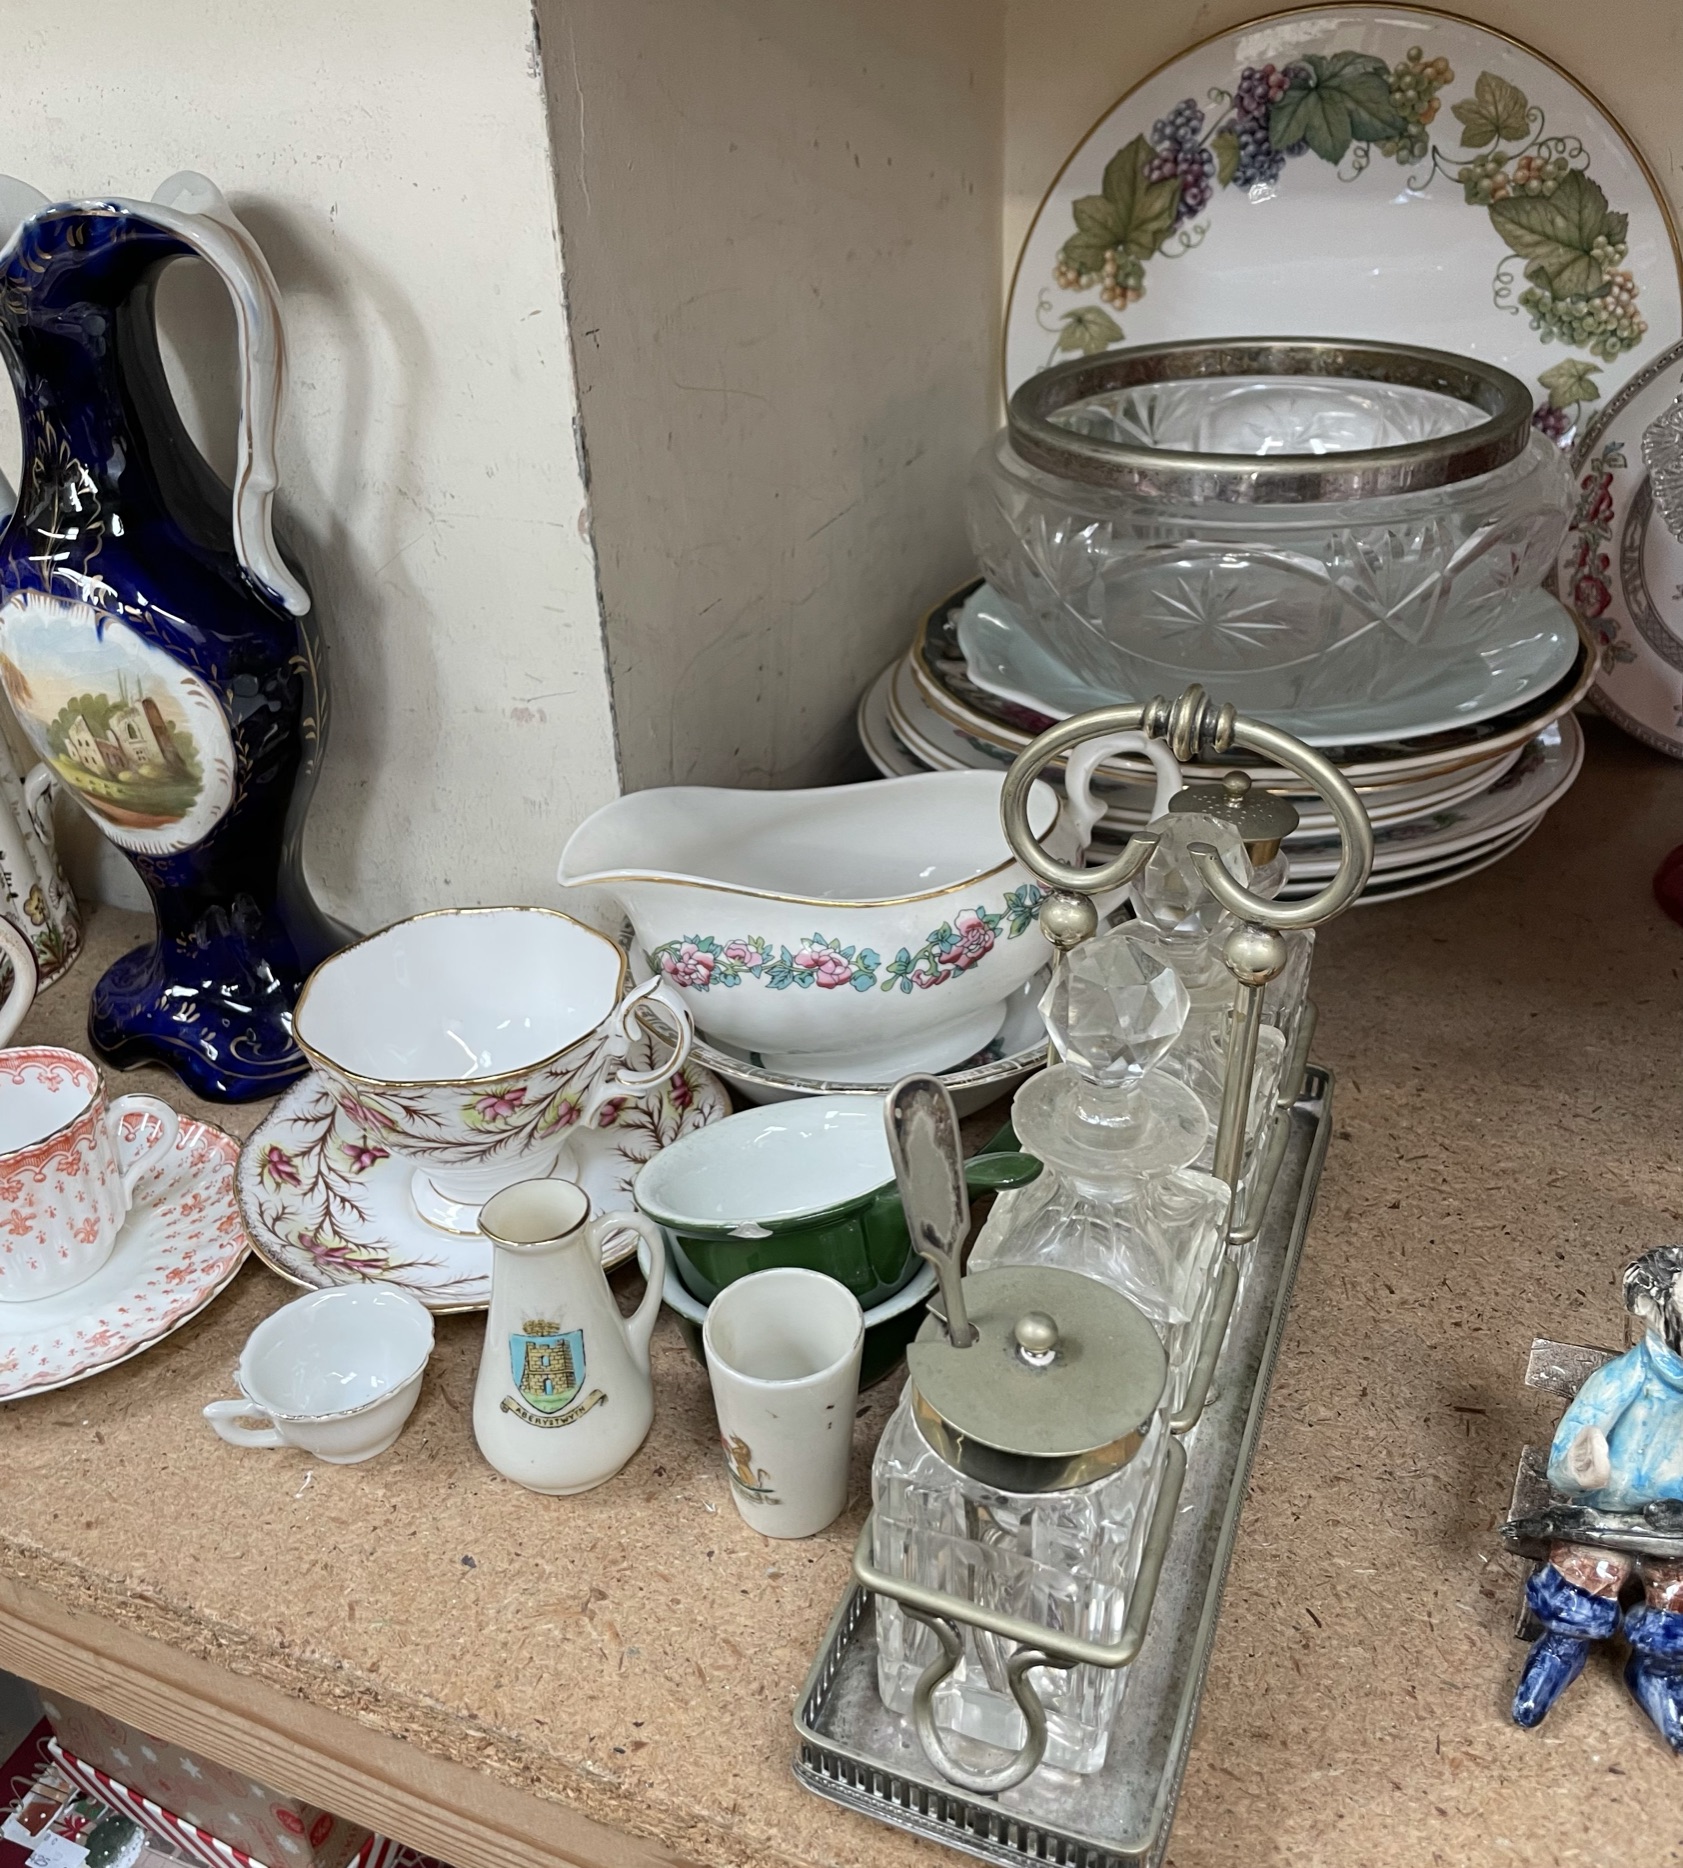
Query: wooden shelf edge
<point x="431" y="1803"/>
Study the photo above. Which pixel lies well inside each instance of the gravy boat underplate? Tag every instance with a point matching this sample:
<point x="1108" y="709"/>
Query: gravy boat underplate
<point x="854" y="931"/>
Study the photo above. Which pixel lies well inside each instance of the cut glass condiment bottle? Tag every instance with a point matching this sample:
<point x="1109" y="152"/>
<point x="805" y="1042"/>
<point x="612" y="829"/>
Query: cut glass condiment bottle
<point x="1181" y="923"/>
<point x="1120" y="1200"/>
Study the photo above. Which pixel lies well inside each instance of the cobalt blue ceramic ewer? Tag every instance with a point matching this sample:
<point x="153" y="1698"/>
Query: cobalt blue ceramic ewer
<point x="155" y="646"/>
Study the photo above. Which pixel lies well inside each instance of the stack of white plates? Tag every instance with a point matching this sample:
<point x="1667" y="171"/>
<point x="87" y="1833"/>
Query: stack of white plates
<point x="1453" y="780"/>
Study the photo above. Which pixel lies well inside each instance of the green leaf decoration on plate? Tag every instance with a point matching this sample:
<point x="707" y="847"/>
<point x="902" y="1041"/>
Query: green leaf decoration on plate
<point x="1571" y="382"/>
<point x="1497" y="112"/>
<point x="1552" y="217"/>
<point x="1336" y="101"/>
<point x="1566" y="239"/>
<point x="1131" y="217"/>
<point x="1145" y="210"/>
<point x="1089" y="330"/>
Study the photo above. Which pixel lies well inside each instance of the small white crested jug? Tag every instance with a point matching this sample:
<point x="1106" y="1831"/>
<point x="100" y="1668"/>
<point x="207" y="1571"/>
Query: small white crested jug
<point x="564" y="1396"/>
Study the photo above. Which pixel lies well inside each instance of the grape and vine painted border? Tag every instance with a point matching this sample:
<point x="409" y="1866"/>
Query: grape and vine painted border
<point x="701" y="962"/>
<point x="1345" y="108"/>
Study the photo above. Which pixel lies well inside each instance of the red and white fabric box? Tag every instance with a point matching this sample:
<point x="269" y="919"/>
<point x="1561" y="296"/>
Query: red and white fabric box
<point x="197" y="1843"/>
<point x="249" y="1823"/>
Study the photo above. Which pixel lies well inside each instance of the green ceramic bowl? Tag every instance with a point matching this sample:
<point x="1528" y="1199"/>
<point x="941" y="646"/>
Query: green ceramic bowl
<point x="806" y="1183"/>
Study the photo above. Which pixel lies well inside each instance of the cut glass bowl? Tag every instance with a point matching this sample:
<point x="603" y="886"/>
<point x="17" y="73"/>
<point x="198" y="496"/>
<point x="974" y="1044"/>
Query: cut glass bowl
<point x="1245" y="530"/>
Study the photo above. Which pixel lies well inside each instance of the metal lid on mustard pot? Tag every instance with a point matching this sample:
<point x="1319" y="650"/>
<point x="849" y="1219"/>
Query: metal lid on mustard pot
<point x="1262" y="819"/>
<point x="1058" y="1389"/>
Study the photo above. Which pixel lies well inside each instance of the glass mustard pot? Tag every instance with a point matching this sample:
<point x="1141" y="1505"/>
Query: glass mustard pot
<point x="1023" y="1496"/>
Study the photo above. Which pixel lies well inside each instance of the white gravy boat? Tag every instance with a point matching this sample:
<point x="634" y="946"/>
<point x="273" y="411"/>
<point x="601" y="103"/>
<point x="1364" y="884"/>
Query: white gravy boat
<point x="849" y="933"/>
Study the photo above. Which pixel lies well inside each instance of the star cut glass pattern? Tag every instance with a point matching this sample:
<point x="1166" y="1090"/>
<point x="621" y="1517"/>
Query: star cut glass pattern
<point x="1279" y="606"/>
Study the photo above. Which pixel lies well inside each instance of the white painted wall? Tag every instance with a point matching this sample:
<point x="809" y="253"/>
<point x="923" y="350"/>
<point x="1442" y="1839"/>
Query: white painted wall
<point x="782" y="231"/>
<point x="393" y="159"/>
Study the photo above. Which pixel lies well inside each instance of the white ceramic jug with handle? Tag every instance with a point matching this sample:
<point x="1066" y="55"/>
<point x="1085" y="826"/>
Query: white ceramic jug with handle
<point x="34" y="895"/>
<point x="20" y="981"/>
<point x="564" y="1395"/>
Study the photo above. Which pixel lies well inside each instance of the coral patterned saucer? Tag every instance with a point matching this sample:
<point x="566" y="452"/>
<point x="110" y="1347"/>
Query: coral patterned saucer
<point x="326" y="1204"/>
<point x="180" y="1245"/>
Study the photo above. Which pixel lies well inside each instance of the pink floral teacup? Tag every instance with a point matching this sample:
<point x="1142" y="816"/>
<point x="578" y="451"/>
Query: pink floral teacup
<point x="68" y="1168"/>
<point x="471" y="1042"/>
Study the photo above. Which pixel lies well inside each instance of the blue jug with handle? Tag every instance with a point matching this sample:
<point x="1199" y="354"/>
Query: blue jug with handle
<point x="156" y="647"/>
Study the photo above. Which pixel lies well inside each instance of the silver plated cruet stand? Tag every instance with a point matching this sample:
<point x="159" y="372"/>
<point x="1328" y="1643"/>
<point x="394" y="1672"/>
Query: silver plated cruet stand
<point x="1195" y="729"/>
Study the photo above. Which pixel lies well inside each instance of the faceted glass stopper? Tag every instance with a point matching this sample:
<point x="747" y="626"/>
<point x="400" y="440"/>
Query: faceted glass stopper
<point x="1113" y="1010"/>
<point x="1170" y="893"/>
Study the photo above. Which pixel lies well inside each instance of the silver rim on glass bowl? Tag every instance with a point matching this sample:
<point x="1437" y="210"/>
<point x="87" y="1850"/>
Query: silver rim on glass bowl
<point x="1042" y="440"/>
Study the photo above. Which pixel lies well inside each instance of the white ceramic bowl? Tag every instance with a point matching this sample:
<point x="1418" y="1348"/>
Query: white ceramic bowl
<point x="855" y="932"/>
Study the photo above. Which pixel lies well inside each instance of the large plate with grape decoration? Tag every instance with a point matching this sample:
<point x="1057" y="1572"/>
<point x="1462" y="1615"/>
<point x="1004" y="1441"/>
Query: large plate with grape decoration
<point x="1376" y="172"/>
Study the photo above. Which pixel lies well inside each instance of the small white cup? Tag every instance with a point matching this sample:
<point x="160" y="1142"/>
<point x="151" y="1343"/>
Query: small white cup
<point x="336" y="1373"/>
<point x="783" y="1350"/>
<point x="67" y="1172"/>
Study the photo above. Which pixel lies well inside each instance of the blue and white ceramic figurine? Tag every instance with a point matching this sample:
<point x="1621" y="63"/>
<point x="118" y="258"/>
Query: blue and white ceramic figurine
<point x="154" y="644"/>
<point x="1617" y="1457"/>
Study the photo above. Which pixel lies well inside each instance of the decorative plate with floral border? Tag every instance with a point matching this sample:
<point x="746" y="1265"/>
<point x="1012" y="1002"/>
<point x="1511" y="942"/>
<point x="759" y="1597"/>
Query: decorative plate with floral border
<point x="325" y="1203"/>
<point x="1360" y="171"/>
<point x="1621" y="568"/>
<point x="180" y="1245"/>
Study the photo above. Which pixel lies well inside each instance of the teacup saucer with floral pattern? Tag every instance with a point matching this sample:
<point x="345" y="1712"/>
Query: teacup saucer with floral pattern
<point x="325" y="1203"/>
<point x="180" y="1245"/>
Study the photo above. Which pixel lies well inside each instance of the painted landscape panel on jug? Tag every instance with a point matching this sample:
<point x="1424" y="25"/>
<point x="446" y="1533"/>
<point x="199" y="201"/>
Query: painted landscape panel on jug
<point x="140" y="742"/>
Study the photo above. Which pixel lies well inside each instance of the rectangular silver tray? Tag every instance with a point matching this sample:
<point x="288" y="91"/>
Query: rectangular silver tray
<point x="856" y="1752"/>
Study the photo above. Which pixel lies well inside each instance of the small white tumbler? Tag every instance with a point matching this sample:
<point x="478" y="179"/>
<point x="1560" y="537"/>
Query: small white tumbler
<point x="783" y="1350"/>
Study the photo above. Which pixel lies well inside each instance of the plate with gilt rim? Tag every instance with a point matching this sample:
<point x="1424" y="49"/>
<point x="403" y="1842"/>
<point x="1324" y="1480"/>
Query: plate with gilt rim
<point x="1415" y="145"/>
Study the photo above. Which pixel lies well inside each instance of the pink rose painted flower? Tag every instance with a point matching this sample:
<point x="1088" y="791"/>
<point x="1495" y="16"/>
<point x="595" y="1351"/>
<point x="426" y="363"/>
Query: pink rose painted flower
<point x="828" y="969"/>
<point x="740" y="952"/>
<point x="499" y="1105"/>
<point x="362" y="1155"/>
<point x="971" y="940"/>
<point x="688" y="966"/>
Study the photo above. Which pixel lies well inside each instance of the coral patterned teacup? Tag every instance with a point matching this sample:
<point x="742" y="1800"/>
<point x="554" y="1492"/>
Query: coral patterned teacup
<point x="67" y="1177"/>
<point x="471" y="1042"/>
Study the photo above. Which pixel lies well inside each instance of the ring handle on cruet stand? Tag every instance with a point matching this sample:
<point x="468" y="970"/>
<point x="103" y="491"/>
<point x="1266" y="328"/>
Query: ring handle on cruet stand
<point x="1195" y="727"/>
